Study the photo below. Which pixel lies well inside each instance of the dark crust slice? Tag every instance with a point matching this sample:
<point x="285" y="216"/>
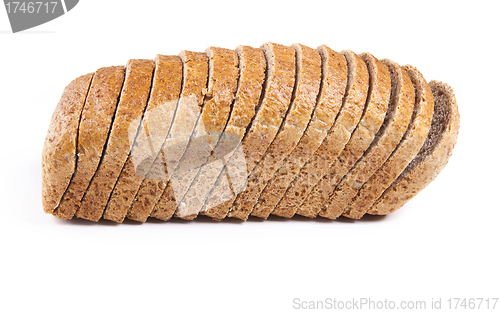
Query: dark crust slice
<point x="395" y="124"/>
<point x="338" y="136"/>
<point x="93" y="132"/>
<point x="433" y="155"/>
<point x="407" y="149"/>
<point x="252" y="64"/>
<point x="152" y="132"/>
<point x="305" y="94"/>
<point x="129" y="111"/>
<point x="373" y="116"/>
<point x="332" y="89"/>
<point x="59" y="150"/>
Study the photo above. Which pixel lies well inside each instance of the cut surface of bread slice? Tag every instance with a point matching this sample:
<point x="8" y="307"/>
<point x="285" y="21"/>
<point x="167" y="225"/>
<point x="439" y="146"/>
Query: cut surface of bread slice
<point x="305" y="93"/>
<point x="195" y="75"/>
<point x="379" y="93"/>
<point x="222" y="86"/>
<point x="394" y="127"/>
<point x="433" y="155"/>
<point x="407" y="149"/>
<point x="129" y="111"/>
<point x="338" y="136"/>
<point x="59" y="156"/>
<point x="95" y="124"/>
<point x="276" y="97"/>
<point x="152" y="132"/>
<point x="252" y="67"/>
<point x="332" y="89"/>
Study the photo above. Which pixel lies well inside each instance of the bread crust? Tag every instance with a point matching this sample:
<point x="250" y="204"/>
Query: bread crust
<point x="333" y="85"/>
<point x="155" y="125"/>
<point x="308" y="79"/>
<point x="407" y="149"/>
<point x="129" y="111"/>
<point x="190" y="105"/>
<point x="222" y="86"/>
<point x="59" y="150"/>
<point x="93" y="132"/>
<point x="338" y="136"/>
<point x="428" y="164"/>
<point x="252" y="63"/>
<point x="365" y="132"/>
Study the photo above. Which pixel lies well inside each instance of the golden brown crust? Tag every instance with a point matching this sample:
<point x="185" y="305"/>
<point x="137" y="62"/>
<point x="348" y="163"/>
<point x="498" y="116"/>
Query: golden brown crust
<point x="128" y="114"/>
<point x="373" y="117"/>
<point x="290" y="133"/>
<point x="335" y="141"/>
<point x="333" y="86"/>
<point x="93" y="132"/>
<point x="188" y="111"/>
<point x="152" y="132"/>
<point x="277" y="96"/>
<point x="59" y="150"/>
<point x="252" y="74"/>
<point x="396" y="122"/>
<point x="432" y="158"/>
<point x="408" y="148"/>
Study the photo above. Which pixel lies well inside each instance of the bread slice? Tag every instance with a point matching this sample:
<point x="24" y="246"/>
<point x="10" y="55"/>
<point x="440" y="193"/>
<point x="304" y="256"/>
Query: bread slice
<point x="222" y="86"/>
<point x="388" y="137"/>
<point x="59" y="156"/>
<point x="407" y="149"/>
<point x="95" y="123"/>
<point x="152" y="132"/>
<point x="332" y="89"/>
<point x="252" y="66"/>
<point x="379" y="93"/>
<point x="432" y="157"/>
<point x="129" y="111"/>
<point x="338" y="136"/>
<point x="279" y="83"/>
<point x="305" y="93"/>
<point x="195" y="73"/>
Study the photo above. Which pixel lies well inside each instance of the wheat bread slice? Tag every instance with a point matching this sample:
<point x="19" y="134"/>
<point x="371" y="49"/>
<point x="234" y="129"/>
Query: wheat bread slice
<point x="432" y="157"/>
<point x="379" y="93"/>
<point x="273" y="105"/>
<point x="252" y="66"/>
<point x="93" y="131"/>
<point x="407" y="149"/>
<point x="332" y="89"/>
<point x="350" y="113"/>
<point x="194" y="83"/>
<point x="152" y="132"/>
<point x="129" y="111"/>
<point x="59" y="155"/>
<point x="222" y="86"/>
<point x="396" y="122"/>
<point x="303" y="102"/>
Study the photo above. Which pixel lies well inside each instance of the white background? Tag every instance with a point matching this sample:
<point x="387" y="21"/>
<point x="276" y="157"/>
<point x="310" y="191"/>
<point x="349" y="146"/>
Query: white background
<point x="442" y="244"/>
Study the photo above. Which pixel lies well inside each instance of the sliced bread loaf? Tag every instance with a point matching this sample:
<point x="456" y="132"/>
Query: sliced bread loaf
<point x="332" y="89"/>
<point x="407" y="149"/>
<point x="280" y="80"/>
<point x="93" y="133"/>
<point x="195" y="74"/>
<point x="252" y="66"/>
<point x="388" y="137"/>
<point x="305" y="93"/>
<point x="222" y="86"/>
<point x="432" y="157"/>
<point x="59" y="155"/>
<point x="152" y="132"/>
<point x="129" y="111"/>
<point x="379" y="93"/>
<point x="338" y="136"/>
